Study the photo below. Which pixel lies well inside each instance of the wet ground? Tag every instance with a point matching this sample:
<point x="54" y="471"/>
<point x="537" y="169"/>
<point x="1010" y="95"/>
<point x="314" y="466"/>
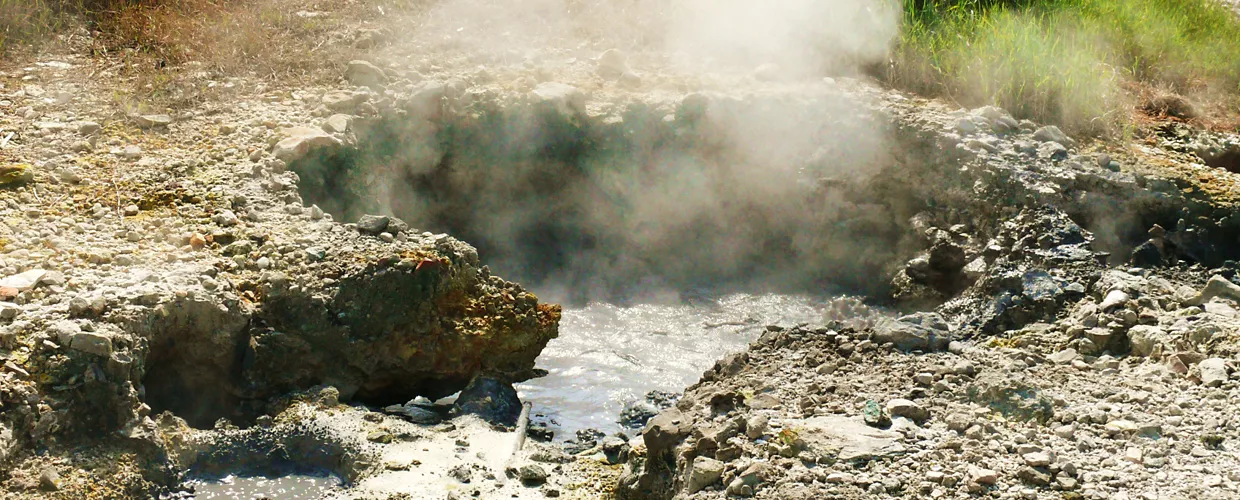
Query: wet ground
<point x="609" y="355"/>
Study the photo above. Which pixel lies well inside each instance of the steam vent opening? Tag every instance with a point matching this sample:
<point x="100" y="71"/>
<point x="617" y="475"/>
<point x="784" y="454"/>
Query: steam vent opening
<point x="697" y="196"/>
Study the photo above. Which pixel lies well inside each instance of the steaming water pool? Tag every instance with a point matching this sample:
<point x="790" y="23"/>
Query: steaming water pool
<point x="608" y="355"/>
<point x="259" y="488"/>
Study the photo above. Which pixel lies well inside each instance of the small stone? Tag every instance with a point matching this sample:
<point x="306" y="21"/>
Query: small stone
<point x="24" y="281"/>
<point x="703" y="472"/>
<point x="1134" y="455"/>
<point x="983" y="476"/>
<point x="908" y="409"/>
<point x="91" y="343"/>
<point x="1121" y="426"/>
<point x="839" y="478"/>
<point x="342" y="101"/>
<point x="1035" y="476"/>
<point x="131" y="210"/>
<point x="874" y="415"/>
<point x="263" y="263"/>
<point x="1114" y="298"/>
<point x="16" y="173"/>
<point x="959" y="422"/>
<point x="532" y="475"/>
<point x="1037" y="459"/>
<point x="226" y="218"/>
<point x="1064" y="357"/>
<point x="9" y="310"/>
<point x="338" y="123"/>
<point x="152" y="121"/>
<point x="49" y="479"/>
<point x="387" y="237"/>
<point x="965" y="126"/>
<point x="756" y="426"/>
<point x="612" y="64"/>
<point x="380" y="436"/>
<point x="1051" y="133"/>
<point x="1213" y="372"/>
<point x="316" y="213"/>
<point x="365" y="74"/>
<point x="88" y="128"/>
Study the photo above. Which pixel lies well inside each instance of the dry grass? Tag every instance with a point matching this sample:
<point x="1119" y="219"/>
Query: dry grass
<point x="267" y="38"/>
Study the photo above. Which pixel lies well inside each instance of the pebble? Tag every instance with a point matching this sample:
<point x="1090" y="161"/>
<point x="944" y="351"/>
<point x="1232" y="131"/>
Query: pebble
<point x="532" y="475"/>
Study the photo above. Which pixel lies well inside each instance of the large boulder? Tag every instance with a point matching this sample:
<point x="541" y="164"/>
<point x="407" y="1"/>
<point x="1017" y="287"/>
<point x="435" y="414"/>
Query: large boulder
<point x="915" y="332"/>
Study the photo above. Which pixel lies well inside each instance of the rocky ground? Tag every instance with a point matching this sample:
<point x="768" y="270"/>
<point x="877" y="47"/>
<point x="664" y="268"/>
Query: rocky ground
<point x="1077" y="333"/>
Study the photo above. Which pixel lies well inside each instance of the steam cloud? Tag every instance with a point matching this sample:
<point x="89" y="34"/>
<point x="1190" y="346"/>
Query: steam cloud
<point x="733" y="198"/>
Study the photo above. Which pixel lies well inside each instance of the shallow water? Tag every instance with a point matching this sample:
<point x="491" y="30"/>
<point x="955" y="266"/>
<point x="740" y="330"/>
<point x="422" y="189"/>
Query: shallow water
<point x="256" y="488"/>
<point x="608" y="355"/>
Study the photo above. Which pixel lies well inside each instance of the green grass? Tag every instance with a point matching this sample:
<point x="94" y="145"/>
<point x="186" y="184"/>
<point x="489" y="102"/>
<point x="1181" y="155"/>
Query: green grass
<point x="1083" y="64"/>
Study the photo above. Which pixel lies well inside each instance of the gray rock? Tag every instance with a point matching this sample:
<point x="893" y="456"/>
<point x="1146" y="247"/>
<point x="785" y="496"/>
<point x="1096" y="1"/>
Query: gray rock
<point x="1051" y="133"/>
<point x="756" y="426"/>
<point x="1145" y="339"/>
<point x="92" y="343"/>
<point x="703" y="472"/>
<point x="749" y="479"/>
<point x="636" y="414"/>
<point x="851" y="438"/>
<point x="338" y="123"/>
<point x="566" y="100"/>
<point x="152" y="121"/>
<point x="1218" y="286"/>
<point x="415" y="414"/>
<point x="615" y="450"/>
<point x="919" y="331"/>
<point x="1064" y="357"/>
<point x="983" y="476"/>
<point x="24" y="281"/>
<point x="344" y="102"/>
<point x="297" y="142"/>
<point x="492" y="399"/>
<point x="88" y="128"/>
<point x="532" y="475"/>
<point x="1213" y="372"/>
<point x="49" y="479"/>
<point x="9" y="310"/>
<point x="1114" y="298"/>
<point x="612" y="64"/>
<point x="1052" y="151"/>
<point x="959" y="421"/>
<point x="665" y="431"/>
<point x="908" y="409"/>
<point x="372" y="224"/>
<point x="365" y="74"/>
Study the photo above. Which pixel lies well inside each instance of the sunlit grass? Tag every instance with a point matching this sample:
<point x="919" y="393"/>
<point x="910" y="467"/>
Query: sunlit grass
<point x="1067" y="61"/>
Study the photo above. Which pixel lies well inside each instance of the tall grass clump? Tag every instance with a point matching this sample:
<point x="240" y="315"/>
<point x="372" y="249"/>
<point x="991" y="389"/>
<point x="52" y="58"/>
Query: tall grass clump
<point x="1080" y="63"/>
<point x="24" y="21"/>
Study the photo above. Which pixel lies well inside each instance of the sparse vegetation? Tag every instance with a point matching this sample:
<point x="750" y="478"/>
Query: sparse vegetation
<point x="262" y="37"/>
<point x="1085" y="64"/>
